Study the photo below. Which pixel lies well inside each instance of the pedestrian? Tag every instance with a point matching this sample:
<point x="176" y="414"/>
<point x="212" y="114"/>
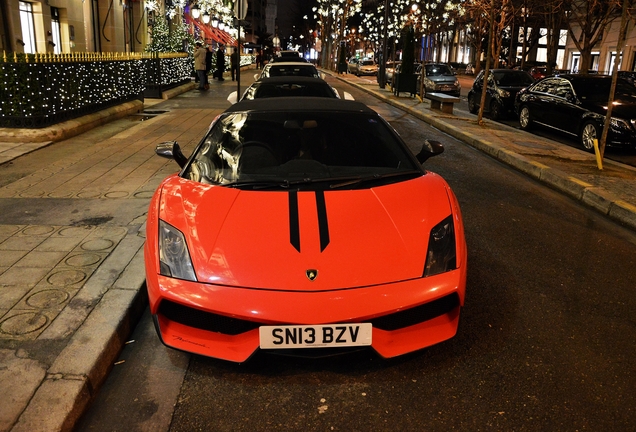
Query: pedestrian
<point x="209" y="53"/>
<point x="259" y="60"/>
<point x="199" y="64"/>
<point x="234" y="61"/>
<point x="220" y="62"/>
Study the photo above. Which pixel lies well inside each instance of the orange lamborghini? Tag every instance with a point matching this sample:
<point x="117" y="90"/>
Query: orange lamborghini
<point x="304" y="226"/>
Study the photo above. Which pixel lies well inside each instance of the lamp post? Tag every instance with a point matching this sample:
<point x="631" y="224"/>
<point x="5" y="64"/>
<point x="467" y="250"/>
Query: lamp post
<point x="382" y="72"/>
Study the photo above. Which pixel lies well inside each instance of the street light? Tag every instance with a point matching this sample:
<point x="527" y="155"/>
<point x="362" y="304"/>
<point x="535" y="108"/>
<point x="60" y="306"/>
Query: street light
<point x="195" y="11"/>
<point x="382" y="72"/>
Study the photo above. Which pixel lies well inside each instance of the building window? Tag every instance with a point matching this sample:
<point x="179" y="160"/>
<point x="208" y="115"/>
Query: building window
<point x="28" y="27"/>
<point x="55" y="30"/>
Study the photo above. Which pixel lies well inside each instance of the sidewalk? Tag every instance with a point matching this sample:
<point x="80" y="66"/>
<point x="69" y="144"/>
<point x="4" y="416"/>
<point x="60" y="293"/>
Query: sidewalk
<point x="71" y="243"/>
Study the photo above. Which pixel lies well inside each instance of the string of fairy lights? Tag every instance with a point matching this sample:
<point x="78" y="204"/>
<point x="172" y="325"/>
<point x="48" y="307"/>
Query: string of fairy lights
<point x="37" y="94"/>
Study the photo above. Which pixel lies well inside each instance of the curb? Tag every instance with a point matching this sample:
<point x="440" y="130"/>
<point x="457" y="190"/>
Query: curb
<point x="80" y="369"/>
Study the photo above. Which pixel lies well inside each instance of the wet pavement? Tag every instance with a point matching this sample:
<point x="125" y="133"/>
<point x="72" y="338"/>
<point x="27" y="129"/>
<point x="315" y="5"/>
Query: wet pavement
<point x="72" y="233"/>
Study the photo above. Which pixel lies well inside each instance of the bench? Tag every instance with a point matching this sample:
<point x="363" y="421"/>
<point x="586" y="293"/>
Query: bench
<point x="441" y="101"/>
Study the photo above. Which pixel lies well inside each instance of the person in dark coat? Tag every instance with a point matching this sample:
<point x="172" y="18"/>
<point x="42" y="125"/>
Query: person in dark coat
<point x="220" y="62"/>
<point x="234" y="60"/>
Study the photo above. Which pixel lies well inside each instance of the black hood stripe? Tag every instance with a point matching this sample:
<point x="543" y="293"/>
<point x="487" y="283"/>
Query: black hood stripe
<point x="294" y="221"/>
<point x="294" y="225"/>
<point x="323" y="225"/>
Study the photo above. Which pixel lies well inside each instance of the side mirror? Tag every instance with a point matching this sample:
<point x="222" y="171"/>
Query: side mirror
<point x="171" y="150"/>
<point x="347" y="96"/>
<point x="429" y="149"/>
<point x="256" y="77"/>
<point x="232" y="98"/>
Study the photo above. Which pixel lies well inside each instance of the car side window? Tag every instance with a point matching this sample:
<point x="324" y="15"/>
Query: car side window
<point x="543" y="86"/>
<point x="564" y="89"/>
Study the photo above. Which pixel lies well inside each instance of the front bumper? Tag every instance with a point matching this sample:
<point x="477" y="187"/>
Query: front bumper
<point x="222" y="322"/>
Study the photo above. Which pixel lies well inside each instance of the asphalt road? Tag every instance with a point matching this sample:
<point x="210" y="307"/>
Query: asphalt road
<point x="547" y="339"/>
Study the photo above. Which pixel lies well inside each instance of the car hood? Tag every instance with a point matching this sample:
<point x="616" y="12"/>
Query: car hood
<point x="442" y="78"/>
<point x="624" y="108"/>
<point x="274" y="239"/>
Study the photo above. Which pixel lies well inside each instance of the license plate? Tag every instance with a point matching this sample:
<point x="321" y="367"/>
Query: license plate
<point x="315" y="336"/>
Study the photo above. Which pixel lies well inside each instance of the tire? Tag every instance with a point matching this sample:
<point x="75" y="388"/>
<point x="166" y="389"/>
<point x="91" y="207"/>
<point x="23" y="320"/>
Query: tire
<point x="525" y="118"/>
<point x="589" y="132"/>
<point x="496" y="110"/>
<point x="473" y="108"/>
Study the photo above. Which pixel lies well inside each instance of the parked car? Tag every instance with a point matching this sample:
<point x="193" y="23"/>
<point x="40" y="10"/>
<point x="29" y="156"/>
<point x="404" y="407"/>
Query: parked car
<point x="288" y="86"/>
<point x="353" y="65"/>
<point x="628" y="76"/>
<point x="503" y="86"/>
<point x="288" y="69"/>
<point x="439" y="78"/>
<point x="577" y="105"/>
<point x="539" y="72"/>
<point x="390" y="70"/>
<point x="367" y="67"/>
<point x="289" y="56"/>
<point x="257" y="244"/>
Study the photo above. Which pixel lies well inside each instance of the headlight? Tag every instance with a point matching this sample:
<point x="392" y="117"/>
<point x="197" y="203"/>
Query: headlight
<point x="441" y="256"/>
<point x="174" y="258"/>
<point x="503" y="93"/>
<point x="617" y="123"/>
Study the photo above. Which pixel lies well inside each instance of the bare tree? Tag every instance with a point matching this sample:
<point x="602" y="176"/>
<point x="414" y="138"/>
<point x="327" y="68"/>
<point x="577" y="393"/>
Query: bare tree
<point x="587" y="21"/>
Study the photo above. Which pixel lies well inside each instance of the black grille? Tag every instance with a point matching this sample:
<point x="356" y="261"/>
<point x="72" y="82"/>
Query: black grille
<point x="417" y="314"/>
<point x="204" y="320"/>
<point x="232" y="326"/>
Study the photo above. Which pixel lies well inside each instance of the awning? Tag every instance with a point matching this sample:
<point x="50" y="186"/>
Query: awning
<point x="219" y="36"/>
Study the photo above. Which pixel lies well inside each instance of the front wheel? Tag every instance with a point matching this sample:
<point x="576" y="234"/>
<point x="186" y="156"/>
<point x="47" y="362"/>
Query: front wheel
<point x="496" y="110"/>
<point x="525" y="119"/>
<point x="472" y="105"/>
<point x="589" y="133"/>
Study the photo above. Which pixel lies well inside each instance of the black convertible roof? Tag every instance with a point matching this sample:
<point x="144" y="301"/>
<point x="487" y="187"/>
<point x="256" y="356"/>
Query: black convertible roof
<point x="302" y="103"/>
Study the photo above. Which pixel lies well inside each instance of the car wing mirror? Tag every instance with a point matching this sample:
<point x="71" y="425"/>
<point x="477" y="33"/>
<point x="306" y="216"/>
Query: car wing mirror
<point x="171" y="150"/>
<point x="256" y="77"/>
<point x="232" y="98"/>
<point x="429" y="149"/>
<point x="348" y="96"/>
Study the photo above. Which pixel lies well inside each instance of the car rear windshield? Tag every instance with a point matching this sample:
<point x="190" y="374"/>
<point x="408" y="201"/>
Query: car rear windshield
<point x="244" y="147"/>
<point x="268" y="90"/>
<point x="367" y="63"/>
<point x="291" y="70"/>
<point x="598" y="89"/>
<point x="513" y="78"/>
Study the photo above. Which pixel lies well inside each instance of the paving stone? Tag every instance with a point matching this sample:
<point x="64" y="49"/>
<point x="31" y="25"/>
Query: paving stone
<point x="11" y="295"/>
<point x="10" y="257"/>
<point x="59" y="244"/>
<point x="21" y="243"/>
<point x="39" y="259"/>
<point x="20" y="276"/>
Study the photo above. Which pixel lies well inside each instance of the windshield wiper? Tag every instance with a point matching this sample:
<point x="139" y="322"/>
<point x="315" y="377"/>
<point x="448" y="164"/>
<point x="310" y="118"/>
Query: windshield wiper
<point x="374" y="177"/>
<point x="259" y="184"/>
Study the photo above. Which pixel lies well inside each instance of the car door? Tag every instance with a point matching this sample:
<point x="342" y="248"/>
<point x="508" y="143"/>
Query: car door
<point x="541" y="103"/>
<point x="567" y="112"/>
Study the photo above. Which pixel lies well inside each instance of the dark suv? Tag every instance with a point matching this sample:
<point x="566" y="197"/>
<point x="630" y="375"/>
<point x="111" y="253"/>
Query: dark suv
<point x="503" y="86"/>
<point x="577" y="104"/>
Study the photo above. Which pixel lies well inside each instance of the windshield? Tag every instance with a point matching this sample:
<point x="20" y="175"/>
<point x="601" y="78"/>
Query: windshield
<point x="437" y="70"/>
<point x="367" y="63"/>
<point x="276" y="149"/>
